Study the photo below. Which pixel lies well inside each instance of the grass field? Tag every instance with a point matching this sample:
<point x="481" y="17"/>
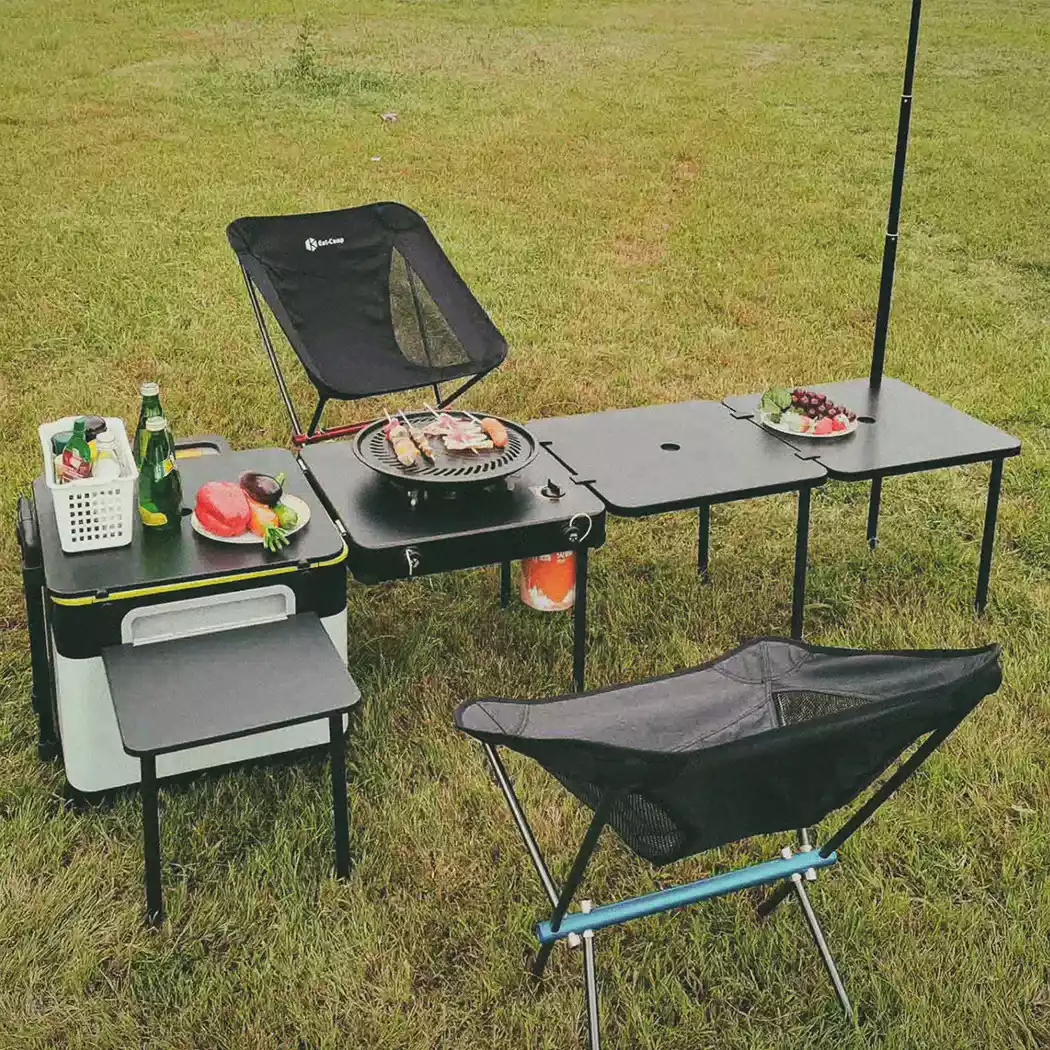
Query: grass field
<point x="655" y="201"/>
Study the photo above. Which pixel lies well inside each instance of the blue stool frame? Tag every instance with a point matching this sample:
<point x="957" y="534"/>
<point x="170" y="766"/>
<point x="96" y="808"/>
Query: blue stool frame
<point x="791" y="871"/>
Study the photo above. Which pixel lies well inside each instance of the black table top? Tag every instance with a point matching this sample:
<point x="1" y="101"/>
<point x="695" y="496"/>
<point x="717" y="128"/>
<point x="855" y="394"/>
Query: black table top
<point x="911" y="432"/>
<point x="155" y="560"/>
<point x="483" y="527"/>
<point x="667" y="457"/>
<point x="211" y="687"/>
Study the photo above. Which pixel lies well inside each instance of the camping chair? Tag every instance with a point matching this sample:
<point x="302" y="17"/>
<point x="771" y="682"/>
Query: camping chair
<point x="369" y="303"/>
<point x="771" y="736"/>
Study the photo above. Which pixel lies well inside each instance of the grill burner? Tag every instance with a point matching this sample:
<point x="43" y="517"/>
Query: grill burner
<point x="450" y="470"/>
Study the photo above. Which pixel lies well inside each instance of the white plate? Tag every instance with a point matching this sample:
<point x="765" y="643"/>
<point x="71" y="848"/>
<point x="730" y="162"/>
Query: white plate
<point x="781" y="429"/>
<point x="300" y="508"/>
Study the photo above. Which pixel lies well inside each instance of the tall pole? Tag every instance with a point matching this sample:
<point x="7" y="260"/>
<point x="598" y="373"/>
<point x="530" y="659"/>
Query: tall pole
<point x="889" y="252"/>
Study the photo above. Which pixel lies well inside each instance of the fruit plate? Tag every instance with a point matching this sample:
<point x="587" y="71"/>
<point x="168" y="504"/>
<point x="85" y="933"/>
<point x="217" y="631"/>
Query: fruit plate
<point x="299" y="506"/>
<point x="764" y="419"/>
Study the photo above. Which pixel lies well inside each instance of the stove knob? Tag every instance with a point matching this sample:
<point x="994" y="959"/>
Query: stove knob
<point x="552" y="490"/>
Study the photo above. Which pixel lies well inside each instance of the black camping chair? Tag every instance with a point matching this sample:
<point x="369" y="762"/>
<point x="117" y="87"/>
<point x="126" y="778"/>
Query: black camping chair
<point x="369" y="303"/>
<point x="771" y="736"/>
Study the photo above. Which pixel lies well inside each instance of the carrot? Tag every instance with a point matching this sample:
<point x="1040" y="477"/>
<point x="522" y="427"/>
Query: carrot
<point x="261" y="517"/>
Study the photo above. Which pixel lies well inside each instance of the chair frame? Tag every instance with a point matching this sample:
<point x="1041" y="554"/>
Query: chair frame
<point x="791" y="871"/>
<point x="314" y="432"/>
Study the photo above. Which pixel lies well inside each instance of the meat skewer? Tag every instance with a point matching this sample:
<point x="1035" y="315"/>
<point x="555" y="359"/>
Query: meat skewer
<point x="419" y="439"/>
<point x="398" y="436"/>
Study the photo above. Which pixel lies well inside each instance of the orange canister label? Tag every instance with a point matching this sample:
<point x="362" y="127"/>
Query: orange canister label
<point x="548" y="583"/>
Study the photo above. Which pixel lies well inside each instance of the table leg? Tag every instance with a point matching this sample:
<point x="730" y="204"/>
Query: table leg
<point x="988" y="538"/>
<point x="151" y="840"/>
<point x="798" y="591"/>
<point x="703" y="543"/>
<point x="873" y="511"/>
<point x="504" y="584"/>
<point x="340" y="815"/>
<point x="579" y="623"/>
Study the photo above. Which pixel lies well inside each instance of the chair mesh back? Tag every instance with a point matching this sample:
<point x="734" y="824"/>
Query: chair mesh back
<point x="770" y="737"/>
<point x="367" y="299"/>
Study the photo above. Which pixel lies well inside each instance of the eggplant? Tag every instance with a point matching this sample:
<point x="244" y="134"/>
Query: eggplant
<point x="262" y="487"/>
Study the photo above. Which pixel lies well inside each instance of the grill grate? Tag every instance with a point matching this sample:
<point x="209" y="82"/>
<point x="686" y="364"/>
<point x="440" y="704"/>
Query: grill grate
<point x="448" y="468"/>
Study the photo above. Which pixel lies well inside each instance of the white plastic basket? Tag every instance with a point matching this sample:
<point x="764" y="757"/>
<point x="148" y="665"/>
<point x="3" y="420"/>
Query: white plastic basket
<point x="92" y="514"/>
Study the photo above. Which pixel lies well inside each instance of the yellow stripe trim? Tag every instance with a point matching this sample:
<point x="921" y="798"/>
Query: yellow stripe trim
<point x="187" y="585"/>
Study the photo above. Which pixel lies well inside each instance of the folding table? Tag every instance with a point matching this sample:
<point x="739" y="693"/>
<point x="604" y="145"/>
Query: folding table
<point x="643" y="461"/>
<point x="189" y="692"/>
<point x="537" y="511"/>
<point x="901" y="431"/>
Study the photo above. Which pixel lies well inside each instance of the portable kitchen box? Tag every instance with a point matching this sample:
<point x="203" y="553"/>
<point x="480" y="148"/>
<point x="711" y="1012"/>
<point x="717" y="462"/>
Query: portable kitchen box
<point x="163" y="587"/>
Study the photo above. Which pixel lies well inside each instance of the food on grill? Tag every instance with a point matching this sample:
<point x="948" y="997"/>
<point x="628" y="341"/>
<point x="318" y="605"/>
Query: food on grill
<point x="468" y="442"/>
<point x="419" y="439"/>
<point x="403" y="445"/>
<point x="262" y="487"/>
<point x="222" y="508"/>
<point x="495" y="430"/>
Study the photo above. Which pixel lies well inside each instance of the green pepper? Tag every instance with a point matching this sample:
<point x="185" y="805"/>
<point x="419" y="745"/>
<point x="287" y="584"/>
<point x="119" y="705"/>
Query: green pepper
<point x="286" y="517"/>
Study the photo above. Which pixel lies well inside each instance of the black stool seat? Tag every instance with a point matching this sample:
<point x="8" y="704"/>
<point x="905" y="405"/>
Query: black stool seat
<point x="771" y="736"/>
<point x="187" y="692"/>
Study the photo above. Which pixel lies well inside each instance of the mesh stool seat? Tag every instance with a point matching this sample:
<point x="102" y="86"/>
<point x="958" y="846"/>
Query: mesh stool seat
<point x="772" y="736"/>
<point x="368" y="301"/>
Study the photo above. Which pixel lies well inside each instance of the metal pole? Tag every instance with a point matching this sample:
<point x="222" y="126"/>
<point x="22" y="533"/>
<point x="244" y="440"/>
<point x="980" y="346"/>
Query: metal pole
<point x="151" y="840"/>
<point x="504" y="584"/>
<point x="271" y="353"/>
<point x="703" y="543"/>
<point x="590" y="985"/>
<point x="822" y="945"/>
<point x="991" y="512"/>
<point x="798" y="593"/>
<point x="579" y="866"/>
<point x="889" y="252"/>
<point x="504" y="784"/>
<point x="579" y="623"/>
<point x="874" y="500"/>
<point x="340" y="815"/>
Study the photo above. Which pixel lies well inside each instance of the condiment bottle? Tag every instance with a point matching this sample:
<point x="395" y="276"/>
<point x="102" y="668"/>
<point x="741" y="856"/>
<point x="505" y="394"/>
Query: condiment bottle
<point x="74" y="462"/>
<point x="160" y="485"/>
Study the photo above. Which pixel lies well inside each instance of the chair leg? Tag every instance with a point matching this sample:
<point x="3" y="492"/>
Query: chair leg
<point x="874" y="500"/>
<point x="340" y="816"/>
<point x="590" y="985"/>
<point x="822" y="945"/>
<point x="151" y="840"/>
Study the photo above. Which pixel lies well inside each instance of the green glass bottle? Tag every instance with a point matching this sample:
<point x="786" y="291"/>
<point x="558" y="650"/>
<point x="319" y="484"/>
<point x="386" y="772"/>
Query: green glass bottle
<point x="160" y="485"/>
<point x="74" y="462"/>
<point x="150" y="409"/>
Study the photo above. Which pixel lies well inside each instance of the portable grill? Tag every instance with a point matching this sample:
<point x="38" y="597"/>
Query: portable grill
<point x="450" y="471"/>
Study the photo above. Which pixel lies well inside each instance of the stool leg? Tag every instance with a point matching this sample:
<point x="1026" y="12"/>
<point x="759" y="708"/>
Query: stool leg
<point x="151" y="840"/>
<point x="590" y="986"/>
<point x="988" y="539"/>
<point x="579" y="623"/>
<point x="873" y="511"/>
<point x="703" y="542"/>
<point x="822" y="945"/>
<point x="340" y="816"/>
<point x="798" y="593"/>
<point x="504" y="584"/>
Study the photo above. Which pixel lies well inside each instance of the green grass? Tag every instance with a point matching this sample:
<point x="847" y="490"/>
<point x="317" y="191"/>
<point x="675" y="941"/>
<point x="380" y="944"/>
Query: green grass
<point x="656" y="201"/>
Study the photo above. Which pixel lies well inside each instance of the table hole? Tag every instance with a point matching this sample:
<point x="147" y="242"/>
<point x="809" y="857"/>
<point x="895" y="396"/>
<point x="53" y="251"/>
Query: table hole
<point x="865" y="419"/>
<point x="670" y="446"/>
